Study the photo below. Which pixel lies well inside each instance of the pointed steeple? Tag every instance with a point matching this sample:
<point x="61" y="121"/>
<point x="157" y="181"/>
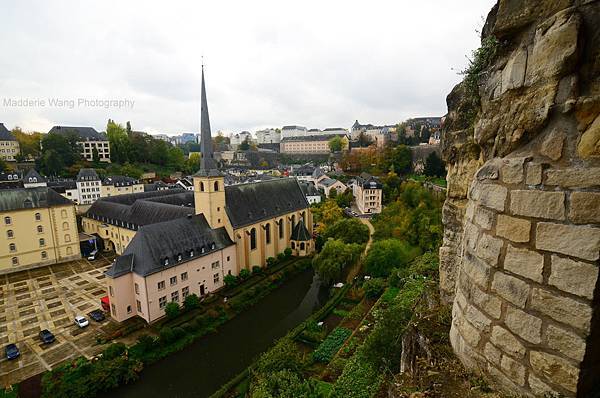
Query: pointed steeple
<point x="208" y="166"/>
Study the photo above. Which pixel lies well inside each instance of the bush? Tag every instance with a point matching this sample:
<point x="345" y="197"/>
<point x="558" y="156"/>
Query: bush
<point x="257" y="270"/>
<point x="191" y="302"/>
<point x="145" y="343"/>
<point x="230" y="280"/>
<point x="387" y="254"/>
<point x="280" y="257"/>
<point x="287" y="253"/>
<point x="374" y="287"/>
<point x="114" y="350"/>
<point x="271" y="262"/>
<point x="244" y="274"/>
<point x="331" y="345"/>
<point x="359" y="379"/>
<point x="172" y="310"/>
<point x="348" y="230"/>
<point x="283" y="356"/>
<point x="166" y="335"/>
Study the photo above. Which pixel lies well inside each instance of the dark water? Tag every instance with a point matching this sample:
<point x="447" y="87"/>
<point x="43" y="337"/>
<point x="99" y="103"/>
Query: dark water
<point x="201" y="369"/>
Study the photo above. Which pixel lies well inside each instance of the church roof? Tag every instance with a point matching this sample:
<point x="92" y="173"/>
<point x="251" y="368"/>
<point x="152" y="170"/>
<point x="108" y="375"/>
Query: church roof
<point x="5" y="134"/>
<point x="189" y="237"/>
<point x="300" y="233"/>
<point x="254" y="202"/>
<point x="208" y="166"/>
<point x="29" y="198"/>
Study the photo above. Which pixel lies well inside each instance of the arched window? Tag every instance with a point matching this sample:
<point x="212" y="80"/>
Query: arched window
<point x="253" y="239"/>
<point x="44" y="254"/>
<point x="129" y="309"/>
<point x="38" y="216"/>
<point x="15" y="261"/>
<point x="280" y="228"/>
<point x="201" y="186"/>
<point x="65" y="226"/>
<point x="7" y="220"/>
<point x="216" y="186"/>
<point x="42" y="242"/>
<point x="10" y="233"/>
<point x="301" y="245"/>
<point x="12" y="247"/>
<point x="293" y="245"/>
<point x="268" y="233"/>
<point x="293" y="221"/>
<point x="67" y="238"/>
<point x="40" y="229"/>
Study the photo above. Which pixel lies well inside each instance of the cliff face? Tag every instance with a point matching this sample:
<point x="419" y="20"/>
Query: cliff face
<point x="522" y="215"/>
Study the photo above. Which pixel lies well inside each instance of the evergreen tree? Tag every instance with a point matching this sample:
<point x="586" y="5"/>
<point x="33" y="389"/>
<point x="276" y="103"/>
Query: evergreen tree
<point x="434" y="166"/>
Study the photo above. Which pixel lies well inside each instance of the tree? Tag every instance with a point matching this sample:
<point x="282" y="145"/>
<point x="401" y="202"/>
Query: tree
<point x="333" y="193"/>
<point x="172" y="310"/>
<point x="3" y="166"/>
<point x="95" y="156"/>
<point x="384" y="255"/>
<point x="175" y="158"/>
<point x="59" y="152"/>
<point x="434" y="166"/>
<point x="334" y="258"/>
<point x="245" y="145"/>
<point x="29" y="143"/>
<point x="364" y="140"/>
<point x="349" y="230"/>
<point x="230" y="280"/>
<point x="119" y="142"/>
<point x="344" y="199"/>
<point x="373" y="287"/>
<point x="191" y="301"/>
<point x="335" y="144"/>
<point x="399" y="157"/>
<point x="327" y="213"/>
<point x="244" y="274"/>
<point x="192" y="164"/>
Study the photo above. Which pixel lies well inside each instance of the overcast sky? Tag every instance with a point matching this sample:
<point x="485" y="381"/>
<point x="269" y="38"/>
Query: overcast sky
<point x="267" y="63"/>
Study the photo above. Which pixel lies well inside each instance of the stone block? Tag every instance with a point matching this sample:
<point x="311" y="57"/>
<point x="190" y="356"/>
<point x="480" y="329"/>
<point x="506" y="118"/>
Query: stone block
<point x="524" y="262"/>
<point x="554" y="368"/>
<point x="515" y="229"/>
<point x="534" y="174"/>
<point x="562" y="309"/>
<point x="490" y="195"/>
<point x="477" y="270"/>
<point x="572" y="276"/>
<point x="492" y="354"/>
<point x="488" y="249"/>
<point x="552" y="145"/>
<point x="512" y="170"/>
<point x="581" y="242"/>
<point x="513" y="74"/>
<point x="484" y="217"/>
<point x="589" y="144"/>
<point x="513" y="369"/>
<point x="585" y="207"/>
<point x="490" y="304"/>
<point x="511" y="289"/>
<point x="508" y="343"/>
<point x="539" y="388"/>
<point x="471" y="235"/>
<point x="574" y="177"/>
<point x="565" y="342"/>
<point x="539" y="204"/>
<point x="470" y="333"/>
<point x="524" y="325"/>
<point x="477" y="318"/>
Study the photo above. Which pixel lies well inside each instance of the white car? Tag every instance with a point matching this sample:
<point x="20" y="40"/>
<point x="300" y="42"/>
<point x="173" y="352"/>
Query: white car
<point x="81" y="321"/>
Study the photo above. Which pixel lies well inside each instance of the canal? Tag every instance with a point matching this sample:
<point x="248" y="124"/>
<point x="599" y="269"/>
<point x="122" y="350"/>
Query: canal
<point x="201" y="369"/>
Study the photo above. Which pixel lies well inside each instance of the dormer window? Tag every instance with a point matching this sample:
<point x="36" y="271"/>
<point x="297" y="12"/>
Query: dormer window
<point x="179" y="257"/>
<point x="212" y="246"/>
<point x="166" y="261"/>
<point x="202" y="249"/>
<point x="191" y="253"/>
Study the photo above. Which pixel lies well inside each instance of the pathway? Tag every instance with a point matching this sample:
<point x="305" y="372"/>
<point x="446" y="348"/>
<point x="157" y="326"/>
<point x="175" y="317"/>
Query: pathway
<point x="356" y="267"/>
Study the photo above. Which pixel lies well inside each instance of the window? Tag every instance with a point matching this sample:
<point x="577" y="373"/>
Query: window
<point x="161" y="285"/>
<point x="63" y="213"/>
<point x="293" y="221"/>
<point x="216" y="278"/>
<point x="138" y="305"/>
<point x="110" y="290"/>
<point x="12" y="247"/>
<point x="162" y="302"/>
<point x="268" y="233"/>
<point x="42" y="242"/>
<point x="215" y="265"/>
<point x="114" y="309"/>
<point x="137" y="288"/>
<point x="173" y="280"/>
<point x="293" y="245"/>
<point x="38" y="217"/>
<point x="65" y="226"/>
<point x="179" y="257"/>
<point x="69" y="250"/>
<point x="15" y="261"/>
<point x="7" y="220"/>
<point x="10" y="233"/>
<point x="175" y="296"/>
<point x="44" y="255"/>
<point x="67" y="238"/>
<point x="280" y="229"/>
<point x="166" y="262"/>
<point x="40" y="229"/>
<point x="129" y="309"/>
<point x="201" y="186"/>
<point x="253" y="239"/>
<point x="184" y="276"/>
<point x="216" y="186"/>
<point x="228" y="258"/>
<point x="185" y="292"/>
<point x="301" y="245"/>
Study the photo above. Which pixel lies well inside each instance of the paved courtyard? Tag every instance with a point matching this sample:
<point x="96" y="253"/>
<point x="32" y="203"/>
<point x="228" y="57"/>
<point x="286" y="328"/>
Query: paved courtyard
<point x="49" y="298"/>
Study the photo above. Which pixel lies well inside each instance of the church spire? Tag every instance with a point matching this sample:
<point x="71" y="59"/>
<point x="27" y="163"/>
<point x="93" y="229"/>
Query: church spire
<point x="208" y="165"/>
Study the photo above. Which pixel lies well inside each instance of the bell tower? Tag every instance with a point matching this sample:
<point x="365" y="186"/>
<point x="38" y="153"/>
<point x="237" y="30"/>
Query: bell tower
<point x="209" y="186"/>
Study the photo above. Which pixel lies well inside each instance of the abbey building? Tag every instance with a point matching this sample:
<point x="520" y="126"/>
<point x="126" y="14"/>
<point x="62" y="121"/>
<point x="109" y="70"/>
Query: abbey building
<point x="174" y="243"/>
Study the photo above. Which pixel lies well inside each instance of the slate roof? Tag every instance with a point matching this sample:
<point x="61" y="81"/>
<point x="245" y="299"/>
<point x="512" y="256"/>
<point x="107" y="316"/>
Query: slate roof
<point x="191" y="237"/>
<point x="61" y="186"/>
<point x="294" y="128"/>
<point x="85" y="133"/>
<point x="327" y="182"/>
<point x="11" y="176"/>
<point x="28" y="198"/>
<point x="309" y="189"/>
<point x="254" y="202"/>
<point x="304" y="170"/>
<point x="367" y="181"/>
<point x="34" y="175"/>
<point x="300" y="232"/>
<point x="5" y="134"/>
<point x="321" y="137"/>
<point x="131" y="198"/>
<point x="120" y="181"/>
<point x="87" y="175"/>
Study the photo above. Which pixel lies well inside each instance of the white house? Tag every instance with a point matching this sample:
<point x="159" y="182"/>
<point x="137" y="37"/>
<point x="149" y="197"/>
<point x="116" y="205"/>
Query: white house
<point x="268" y="136"/>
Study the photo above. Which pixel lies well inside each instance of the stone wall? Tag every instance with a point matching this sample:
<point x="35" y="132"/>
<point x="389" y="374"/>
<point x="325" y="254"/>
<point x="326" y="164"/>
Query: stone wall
<point x="521" y="246"/>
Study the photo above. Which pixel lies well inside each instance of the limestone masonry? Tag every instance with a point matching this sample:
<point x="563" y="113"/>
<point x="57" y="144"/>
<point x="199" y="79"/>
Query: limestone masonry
<point x="522" y="240"/>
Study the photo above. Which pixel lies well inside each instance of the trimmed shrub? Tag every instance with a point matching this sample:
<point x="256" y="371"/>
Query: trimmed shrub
<point x="230" y="280"/>
<point x="287" y="252"/>
<point x="114" y="350"/>
<point x="280" y="257"/>
<point x="271" y="262"/>
<point x="172" y="310"/>
<point x="191" y="302"/>
<point x="166" y="335"/>
<point x="257" y="270"/>
<point x="244" y="274"/>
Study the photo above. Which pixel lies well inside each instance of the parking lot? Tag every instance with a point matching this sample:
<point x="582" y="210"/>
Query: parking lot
<point x="49" y="298"/>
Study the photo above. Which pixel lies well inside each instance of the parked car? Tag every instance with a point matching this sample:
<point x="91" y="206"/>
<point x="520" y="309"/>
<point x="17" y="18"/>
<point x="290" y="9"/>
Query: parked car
<point x="97" y="315"/>
<point x="81" y="321"/>
<point x="12" y="351"/>
<point x="47" y="337"/>
<point x="93" y="255"/>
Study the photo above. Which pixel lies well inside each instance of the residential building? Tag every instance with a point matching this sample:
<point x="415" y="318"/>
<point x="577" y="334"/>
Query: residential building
<point x="311" y="193"/>
<point x="303" y="172"/>
<point x="89" y="141"/>
<point x="315" y="144"/>
<point x="11" y="179"/>
<point x="329" y="184"/>
<point x="66" y="187"/>
<point x="334" y="131"/>
<point x="37" y="227"/>
<point x="268" y="136"/>
<point x="185" y="183"/>
<point x="33" y="179"/>
<point x="9" y="146"/>
<point x="120" y="185"/>
<point x="88" y="187"/>
<point x="237" y="139"/>
<point x="293" y="131"/>
<point x="368" y="194"/>
<point x="380" y="135"/>
<point x="258" y="218"/>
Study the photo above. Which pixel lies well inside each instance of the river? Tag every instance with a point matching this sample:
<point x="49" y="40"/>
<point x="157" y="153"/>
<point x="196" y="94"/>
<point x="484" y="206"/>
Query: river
<point x="200" y="369"/>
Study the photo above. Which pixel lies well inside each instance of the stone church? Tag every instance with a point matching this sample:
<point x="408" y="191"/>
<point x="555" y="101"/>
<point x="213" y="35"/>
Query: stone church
<point x="175" y="243"/>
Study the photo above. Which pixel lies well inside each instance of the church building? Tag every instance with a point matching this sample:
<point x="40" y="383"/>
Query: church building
<point x="175" y="243"/>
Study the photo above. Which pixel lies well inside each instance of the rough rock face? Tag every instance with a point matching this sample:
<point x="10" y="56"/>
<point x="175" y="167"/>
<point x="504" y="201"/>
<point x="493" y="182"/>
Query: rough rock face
<point x="521" y="245"/>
